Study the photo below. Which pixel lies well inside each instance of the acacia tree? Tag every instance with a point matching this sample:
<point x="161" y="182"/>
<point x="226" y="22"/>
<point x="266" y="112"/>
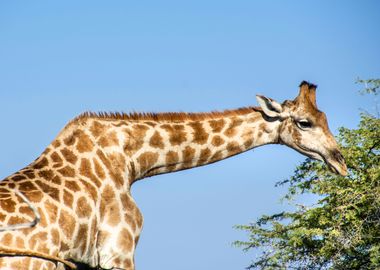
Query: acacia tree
<point x="340" y="231"/>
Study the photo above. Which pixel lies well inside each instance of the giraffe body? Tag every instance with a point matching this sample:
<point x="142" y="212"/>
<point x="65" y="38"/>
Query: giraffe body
<point x="81" y="183"/>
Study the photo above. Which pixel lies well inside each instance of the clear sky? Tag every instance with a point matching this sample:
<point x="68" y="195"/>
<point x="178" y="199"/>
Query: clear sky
<point x="60" y="58"/>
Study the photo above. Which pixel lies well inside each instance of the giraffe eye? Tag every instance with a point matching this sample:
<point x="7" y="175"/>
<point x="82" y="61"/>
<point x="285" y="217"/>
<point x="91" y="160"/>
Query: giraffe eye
<point x="304" y="124"/>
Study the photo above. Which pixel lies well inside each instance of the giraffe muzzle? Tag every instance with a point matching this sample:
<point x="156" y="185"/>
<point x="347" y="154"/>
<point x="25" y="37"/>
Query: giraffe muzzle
<point x="337" y="163"/>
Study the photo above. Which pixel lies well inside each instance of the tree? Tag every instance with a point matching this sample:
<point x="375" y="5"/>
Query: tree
<point x="342" y="230"/>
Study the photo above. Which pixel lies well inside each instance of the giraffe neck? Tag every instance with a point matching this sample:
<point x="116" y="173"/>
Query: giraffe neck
<point x="126" y="148"/>
<point x="172" y="146"/>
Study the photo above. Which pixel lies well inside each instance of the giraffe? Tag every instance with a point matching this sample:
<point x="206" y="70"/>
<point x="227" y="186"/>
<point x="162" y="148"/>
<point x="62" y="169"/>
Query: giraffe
<point x="80" y="185"/>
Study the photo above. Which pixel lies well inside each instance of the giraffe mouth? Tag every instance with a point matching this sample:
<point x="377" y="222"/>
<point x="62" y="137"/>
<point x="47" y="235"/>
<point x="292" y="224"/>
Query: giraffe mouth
<point x="335" y="162"/>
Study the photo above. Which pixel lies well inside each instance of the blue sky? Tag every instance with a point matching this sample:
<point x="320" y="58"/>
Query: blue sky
<point x="60" y="58"/>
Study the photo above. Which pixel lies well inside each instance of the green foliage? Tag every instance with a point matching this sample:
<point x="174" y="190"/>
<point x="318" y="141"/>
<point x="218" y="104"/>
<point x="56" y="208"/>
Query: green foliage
<point x="342" y="230"/>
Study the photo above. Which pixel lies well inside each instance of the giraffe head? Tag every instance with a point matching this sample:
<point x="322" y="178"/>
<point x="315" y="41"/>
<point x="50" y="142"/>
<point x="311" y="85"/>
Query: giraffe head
<point x="304" y="128"/>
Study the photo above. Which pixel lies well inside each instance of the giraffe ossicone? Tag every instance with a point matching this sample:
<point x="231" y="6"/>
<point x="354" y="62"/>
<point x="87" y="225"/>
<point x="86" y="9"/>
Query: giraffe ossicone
<point x="80" y="185"/>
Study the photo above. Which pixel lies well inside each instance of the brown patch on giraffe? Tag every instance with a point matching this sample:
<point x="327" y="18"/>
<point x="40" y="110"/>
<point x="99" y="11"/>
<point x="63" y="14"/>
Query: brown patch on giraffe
<point x="218" y="155"/>
<point x="116" y="165"/>
<point x="172" y="159"/>
<point x="177" y="134"/>
<point x="93" y="230"/>
<point x="52" y="211"/>
<point x="64" y="246"/>
<point x="2" y="217"/>
<point x="20" y="243"/>
<point x="231" y="130"/>
<point x="125" y="240"/>
<point x="247" y="137"/>
<point x="55" y="237"/>
<point x="46" y="151"/>
<point x="127" y="203"/>
<point x="109" y="207"/>
<point x="130" y="219"/>
<point x="118" y="168"/>
<point x="8" y="205"/>
<point x="103" y="158"/>
<point x="110" y="139"/>
<point x="97" y="129"/>
<point x="46" y="174"/>
<point x="41" y="163"/>
<point x="56" y="143"/>
<point x="72" y="185"/>
<point x="47" y="189"/>
<point x="83" y="209"/>
<point x="127" y="263"/>
<point x="248" y="143"/>
<point x="188" y="154"/>
<point x="136" y="137"/>
<point x="217" y="125"/>
<point x="43" y="248"/>
<point x="56" y="158"/>
<point x="90" y="189"/>
<point x="81" y="241"/>
<point x="70" y="140"/>
<point x="200" y="136"/>
<point x="85" y="170"/>
<point x="67" y="171"/>
<point x="29" y="173"/>
<point x="66" y="223"/>
<point x="84" y="143"/>
<point x="68" y="198"/>
<point x="156" y="141"/>
<point x="7" y="239"/>
<point x="11" y="185"/>
<point x="233" y="148"/>
<point x="26" y="211"/>
<point x="26" y="186"/>
<point x="117" y="160"/>
<point x="56" y="180"/>
<point x="102" y="238"/>
<point x="117" y="261"/>
<point x="18" y="177"/>
<point x="147" y="160"/>
<point x="98" y="169"/>
<point x="35" y="196"/>
<point x="69" y="155"/>
<point x="217" y="141"/>
<point x="16" y="220"/>
<point x="204" y="156"/>
<point x="37" y="238"/>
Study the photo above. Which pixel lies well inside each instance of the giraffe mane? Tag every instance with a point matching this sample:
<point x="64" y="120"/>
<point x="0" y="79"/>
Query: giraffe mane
<point x="166" y="116"/>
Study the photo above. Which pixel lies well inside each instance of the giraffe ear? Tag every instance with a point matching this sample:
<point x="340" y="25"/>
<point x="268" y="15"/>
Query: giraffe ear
<point x="270" y="107"/>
